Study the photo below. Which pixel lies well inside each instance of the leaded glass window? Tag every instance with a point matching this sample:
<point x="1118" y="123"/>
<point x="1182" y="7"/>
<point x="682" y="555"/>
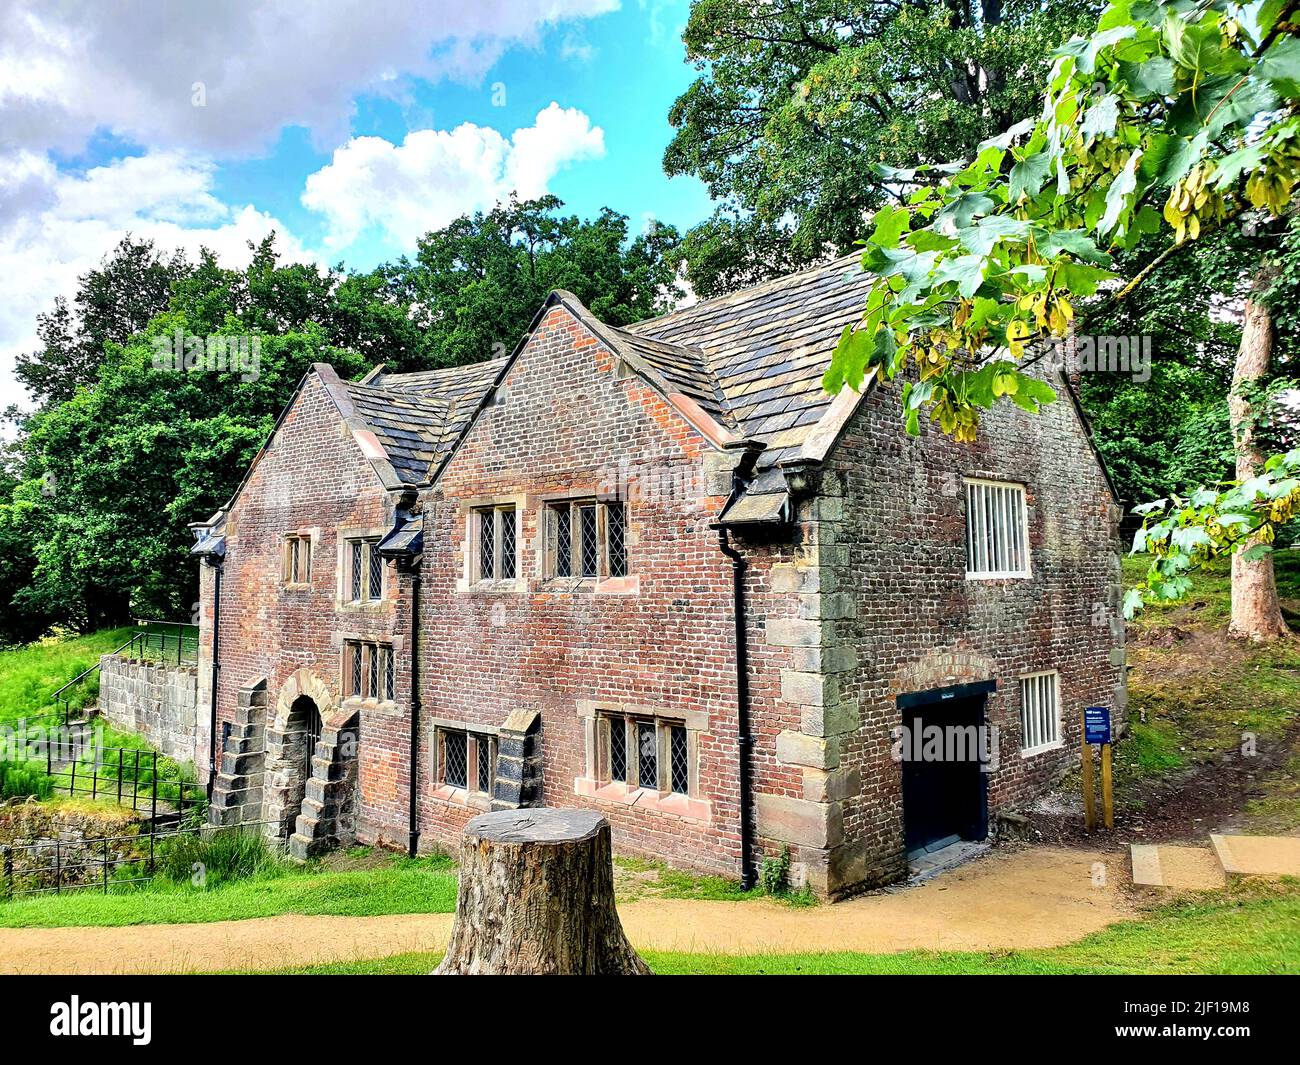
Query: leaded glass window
<point x="390" y="674"/>
<point x="375" y="589"/>
<point x="679" y="757"/>
<point x="647" y="753"/>
<point x="616" y="533"/>
<point x="356" y="668"/>
<point x="358" y="553"/>
<point x="590" y="541"/>
<point x="507" y="519"/>
<point x="485" y="765"/>
<point x="487" y="555"/>
<point x="455" y="759"/>
<point x="563" y="541"/>
<point x="372" y="673"/>
<point x="618" y="750"/>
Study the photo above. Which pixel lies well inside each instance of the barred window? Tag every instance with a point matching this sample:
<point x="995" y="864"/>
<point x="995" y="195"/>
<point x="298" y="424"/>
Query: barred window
<point x="586" y="538"/>
<point x="997" y="543"/>
<point x="1040" y="712"/>
<point x="365" y="571"/>
<point x="297" y="559"/>
<point x="645" y="753"/>
<point x="496" y="550"/>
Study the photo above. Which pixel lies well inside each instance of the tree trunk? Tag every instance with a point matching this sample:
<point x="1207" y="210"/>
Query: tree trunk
<point x="1256" y="613"/>
<point x="537" y="898"/>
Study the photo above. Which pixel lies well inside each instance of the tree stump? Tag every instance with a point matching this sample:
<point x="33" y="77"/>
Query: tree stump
<point x="537" y="897"/>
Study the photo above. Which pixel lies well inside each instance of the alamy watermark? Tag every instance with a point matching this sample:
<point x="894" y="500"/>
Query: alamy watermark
<point x="919" y="742"/>
<point x="182" y="352"/>
<point x="1096" y="353"/>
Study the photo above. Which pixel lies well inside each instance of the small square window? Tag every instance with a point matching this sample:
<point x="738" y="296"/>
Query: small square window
<point x="679" y="756"/>
<point x="647" y="753"/>
<point x="618" y="750"/>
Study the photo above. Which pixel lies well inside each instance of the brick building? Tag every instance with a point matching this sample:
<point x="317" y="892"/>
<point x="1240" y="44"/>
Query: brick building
<point x="657" y="571"/>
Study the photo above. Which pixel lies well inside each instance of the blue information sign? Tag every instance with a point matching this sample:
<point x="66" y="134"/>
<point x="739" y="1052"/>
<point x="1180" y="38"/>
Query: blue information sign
<point x="1096" y="724"/>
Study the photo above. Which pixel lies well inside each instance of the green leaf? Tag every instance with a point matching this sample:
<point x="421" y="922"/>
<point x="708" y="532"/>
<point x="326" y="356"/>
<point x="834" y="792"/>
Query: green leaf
<point x="981" y="238"/>
<point x="1151" y="77"/>
<point x="890" y="224"/>
<point x="1133" y="603"/>
<point x="1100" y="119"/>
<point x="1073" y="242"/>
<point x="1028" y="176"/>
<point x="1280" y="66"/>
<point x="966" y="270"/>
<point x="1256" y="552"/>
<point x="959" y="212"/>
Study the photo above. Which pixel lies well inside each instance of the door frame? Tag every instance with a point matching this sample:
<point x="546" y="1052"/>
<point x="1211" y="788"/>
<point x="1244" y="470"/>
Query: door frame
<point x="910" y="701"/>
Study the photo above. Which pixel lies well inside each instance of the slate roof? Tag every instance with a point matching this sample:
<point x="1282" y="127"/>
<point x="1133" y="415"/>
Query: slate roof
<point x="418" y="417"/>
<point x="768" y="346"/>
<point x="752" y="361"/>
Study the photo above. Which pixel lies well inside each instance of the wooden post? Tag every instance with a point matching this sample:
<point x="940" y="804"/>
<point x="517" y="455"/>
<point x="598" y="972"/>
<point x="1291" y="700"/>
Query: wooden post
<point x="1089" y="793"/>
<point x="1107" y="800"/>
<point x="537" y="897"/>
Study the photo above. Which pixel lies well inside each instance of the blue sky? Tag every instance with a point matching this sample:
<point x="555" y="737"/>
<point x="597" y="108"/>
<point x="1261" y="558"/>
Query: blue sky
<point x="349" y="126"/>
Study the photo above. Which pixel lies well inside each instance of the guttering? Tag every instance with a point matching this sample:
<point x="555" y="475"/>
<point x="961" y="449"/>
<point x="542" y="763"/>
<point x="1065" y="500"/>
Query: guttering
<point x="413" y="835"/>
<point x="744" y="740"/>
<point x="216" y="666"/>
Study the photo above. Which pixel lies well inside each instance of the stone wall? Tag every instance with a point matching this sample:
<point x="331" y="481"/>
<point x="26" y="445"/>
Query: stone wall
<point x="44" y="841"/>
<point x="157" y="701"/>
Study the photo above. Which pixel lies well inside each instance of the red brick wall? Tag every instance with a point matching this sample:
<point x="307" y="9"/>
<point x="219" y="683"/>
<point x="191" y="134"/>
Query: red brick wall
<point x="567" y="421"/>
<point x="313" y="477"/>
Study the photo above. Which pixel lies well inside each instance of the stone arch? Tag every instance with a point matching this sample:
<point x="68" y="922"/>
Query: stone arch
<point x="288" y="761"/>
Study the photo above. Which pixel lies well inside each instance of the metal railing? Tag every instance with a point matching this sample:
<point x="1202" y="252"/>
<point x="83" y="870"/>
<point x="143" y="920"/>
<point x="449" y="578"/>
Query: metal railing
<point x="129" y="775"/>
<point x="159" y="641"/>
<point x="102" y="863"/>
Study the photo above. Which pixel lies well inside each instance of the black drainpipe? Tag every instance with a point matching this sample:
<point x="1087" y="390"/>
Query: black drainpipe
<point x="413" y="845"/>
<point x="216" y="652"/>
<point x="743" y="738"/>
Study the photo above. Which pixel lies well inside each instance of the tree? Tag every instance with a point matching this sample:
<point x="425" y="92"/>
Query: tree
<point x="797" y="99"/>
<point x="113" y="302"/>
<point x="125" y="452"/>
<point x="479" y="281"/>
<point x="1192" y="105"/>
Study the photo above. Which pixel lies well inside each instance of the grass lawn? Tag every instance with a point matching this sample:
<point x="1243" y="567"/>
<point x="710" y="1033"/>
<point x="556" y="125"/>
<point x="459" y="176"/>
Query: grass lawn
<point x="1255" y="930"/>
<point x="386" y="884"/>
<point x="30" y="675"/>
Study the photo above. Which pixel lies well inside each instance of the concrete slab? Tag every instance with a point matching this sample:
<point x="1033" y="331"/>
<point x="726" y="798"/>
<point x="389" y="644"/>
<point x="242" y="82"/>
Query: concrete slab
<point x="1146" y="865"/>
<point x="1267" y="856"/>
<point x="1176" y="868"/>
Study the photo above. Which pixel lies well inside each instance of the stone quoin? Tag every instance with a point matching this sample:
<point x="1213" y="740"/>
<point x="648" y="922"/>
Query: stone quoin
<point x="523" y="578"/>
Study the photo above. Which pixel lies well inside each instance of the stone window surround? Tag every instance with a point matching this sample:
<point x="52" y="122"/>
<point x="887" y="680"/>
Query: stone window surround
<point x="344" y="534"/>
<point x="534" y="579"/>
<point x="606" y="585"/>
<point x="478" y="800"/>
<point x="382" y="707"/>
<point x="309" y="533"/>
<point x="469" y="582"/>
<point x="592" y="785"/>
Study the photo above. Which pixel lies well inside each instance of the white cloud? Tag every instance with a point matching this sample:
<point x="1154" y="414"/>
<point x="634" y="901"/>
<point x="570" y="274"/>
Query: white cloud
<point x="55" y="226"/>
<point x="67" y="70"/>
<point x="434" y="176"/>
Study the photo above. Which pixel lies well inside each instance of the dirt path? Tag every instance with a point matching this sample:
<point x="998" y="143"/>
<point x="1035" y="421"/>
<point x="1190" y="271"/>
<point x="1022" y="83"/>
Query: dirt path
<point x="1032" y="898"/>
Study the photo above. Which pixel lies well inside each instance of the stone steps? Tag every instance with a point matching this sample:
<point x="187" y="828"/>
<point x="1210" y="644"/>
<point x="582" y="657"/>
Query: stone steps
<point x="1188" y="868"/>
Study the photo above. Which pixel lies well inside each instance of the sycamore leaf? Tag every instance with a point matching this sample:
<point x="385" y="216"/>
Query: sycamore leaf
<point x="1257" y="551"/>
<point x="1280" y="66"/>
<point x="1151" y="77"/>
<point x="1100" y="119"/>
<point x="966" y="270"/>
<point x="1028" y="175"/>
<point x="1132" y="603"/>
